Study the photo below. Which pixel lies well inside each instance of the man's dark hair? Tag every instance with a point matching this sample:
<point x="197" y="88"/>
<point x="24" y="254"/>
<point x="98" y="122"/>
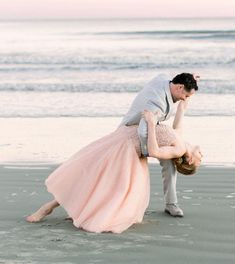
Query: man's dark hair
<point x="187" y="79"/>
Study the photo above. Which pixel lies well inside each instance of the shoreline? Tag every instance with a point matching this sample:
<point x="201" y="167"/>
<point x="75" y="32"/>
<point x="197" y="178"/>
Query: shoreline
<point x="46" y="164"/>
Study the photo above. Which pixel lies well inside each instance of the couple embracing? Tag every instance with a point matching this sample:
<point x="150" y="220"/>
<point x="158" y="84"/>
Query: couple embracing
<point x="105" y="186"/>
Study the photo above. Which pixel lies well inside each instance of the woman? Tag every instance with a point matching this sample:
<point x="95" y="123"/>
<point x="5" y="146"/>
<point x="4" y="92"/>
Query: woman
<point x="105" y="186"/>
<point x="186" y="157"/>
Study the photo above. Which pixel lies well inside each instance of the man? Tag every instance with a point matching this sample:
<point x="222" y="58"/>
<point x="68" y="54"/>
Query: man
<point x="159" y="96"/>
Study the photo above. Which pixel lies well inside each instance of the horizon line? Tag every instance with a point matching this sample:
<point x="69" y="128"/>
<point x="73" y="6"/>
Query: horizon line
<point x="115" y="18"/>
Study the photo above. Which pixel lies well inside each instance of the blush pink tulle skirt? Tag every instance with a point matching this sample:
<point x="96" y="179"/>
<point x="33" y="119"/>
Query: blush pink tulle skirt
<point x="105" y="186"/>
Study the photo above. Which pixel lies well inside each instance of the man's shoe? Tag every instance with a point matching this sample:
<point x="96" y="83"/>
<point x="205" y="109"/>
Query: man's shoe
<point x="174" y="210"/>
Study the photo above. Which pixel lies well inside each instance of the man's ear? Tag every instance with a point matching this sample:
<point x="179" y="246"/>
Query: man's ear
<point x="179" y="87"/>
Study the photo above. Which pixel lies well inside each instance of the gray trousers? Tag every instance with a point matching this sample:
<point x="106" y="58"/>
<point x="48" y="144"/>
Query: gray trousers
<point x="169" y="177"/>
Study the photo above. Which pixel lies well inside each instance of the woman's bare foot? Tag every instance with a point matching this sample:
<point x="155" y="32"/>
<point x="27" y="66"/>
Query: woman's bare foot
<point x="39" y="215"/>
<point x="42" y="212"/>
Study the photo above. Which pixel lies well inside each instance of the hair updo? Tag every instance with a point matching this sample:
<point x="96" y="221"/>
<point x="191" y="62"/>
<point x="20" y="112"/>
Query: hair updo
<point x="183" y="167"/>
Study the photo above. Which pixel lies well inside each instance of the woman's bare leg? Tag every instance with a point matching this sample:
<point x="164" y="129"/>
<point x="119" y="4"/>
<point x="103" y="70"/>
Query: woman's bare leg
<point x="43" y="211"/>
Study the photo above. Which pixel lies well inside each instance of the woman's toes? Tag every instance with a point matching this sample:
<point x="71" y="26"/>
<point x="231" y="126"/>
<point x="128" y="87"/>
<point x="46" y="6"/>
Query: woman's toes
<point x="31" y="219"/>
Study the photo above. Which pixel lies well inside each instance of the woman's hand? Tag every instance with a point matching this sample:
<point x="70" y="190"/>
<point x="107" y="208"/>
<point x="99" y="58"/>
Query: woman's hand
<point x="183" y="104"/>
<point x="148" y="116"/>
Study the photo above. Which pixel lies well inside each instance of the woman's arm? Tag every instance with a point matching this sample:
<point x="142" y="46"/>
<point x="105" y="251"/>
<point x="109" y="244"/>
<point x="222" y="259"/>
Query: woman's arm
<point x="167" y="152"/>
<point x="178" y="121"/>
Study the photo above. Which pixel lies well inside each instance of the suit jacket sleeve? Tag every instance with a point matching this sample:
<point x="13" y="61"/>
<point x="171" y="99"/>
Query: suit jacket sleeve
<point x="158" y="110"/>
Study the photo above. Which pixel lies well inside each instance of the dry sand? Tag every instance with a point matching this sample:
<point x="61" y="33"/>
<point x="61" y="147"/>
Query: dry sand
<point x="56" y="139"/>
<point x="205" y="235"/>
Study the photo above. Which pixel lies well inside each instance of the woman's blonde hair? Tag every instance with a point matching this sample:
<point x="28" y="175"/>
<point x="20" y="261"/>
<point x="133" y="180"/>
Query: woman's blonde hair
<point x="183" y="167"/>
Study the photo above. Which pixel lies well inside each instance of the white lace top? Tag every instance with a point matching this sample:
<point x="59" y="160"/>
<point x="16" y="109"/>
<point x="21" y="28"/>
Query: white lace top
<point x="165" y="136"/>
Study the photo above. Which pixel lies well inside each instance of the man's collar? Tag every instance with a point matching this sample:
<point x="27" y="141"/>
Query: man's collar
<point x="168" y="93"/>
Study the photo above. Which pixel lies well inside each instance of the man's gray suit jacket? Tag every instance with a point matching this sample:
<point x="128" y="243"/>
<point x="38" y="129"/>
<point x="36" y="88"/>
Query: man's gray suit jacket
<point x="156" y="97"/>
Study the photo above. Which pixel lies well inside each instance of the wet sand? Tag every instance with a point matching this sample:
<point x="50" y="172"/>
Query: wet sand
<point x="205" y="235"/>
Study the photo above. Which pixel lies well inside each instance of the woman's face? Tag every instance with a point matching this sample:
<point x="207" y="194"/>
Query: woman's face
<point x="194" y="156"/>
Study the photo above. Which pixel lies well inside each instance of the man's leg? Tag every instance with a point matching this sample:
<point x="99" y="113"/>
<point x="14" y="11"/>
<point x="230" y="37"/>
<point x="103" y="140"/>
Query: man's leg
<point x="169" y="175"/>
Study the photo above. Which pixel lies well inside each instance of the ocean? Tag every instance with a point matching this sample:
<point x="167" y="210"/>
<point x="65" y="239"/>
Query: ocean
<point x="95" y="68"/>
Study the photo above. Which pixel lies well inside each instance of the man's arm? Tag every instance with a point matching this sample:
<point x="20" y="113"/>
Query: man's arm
<point x="143" y="128"/>
<point x="143" y="135"/>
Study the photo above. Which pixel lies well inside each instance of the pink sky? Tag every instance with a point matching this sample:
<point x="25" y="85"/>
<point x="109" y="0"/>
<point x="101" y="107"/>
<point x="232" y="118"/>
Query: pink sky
<point x="17" y="9"/>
